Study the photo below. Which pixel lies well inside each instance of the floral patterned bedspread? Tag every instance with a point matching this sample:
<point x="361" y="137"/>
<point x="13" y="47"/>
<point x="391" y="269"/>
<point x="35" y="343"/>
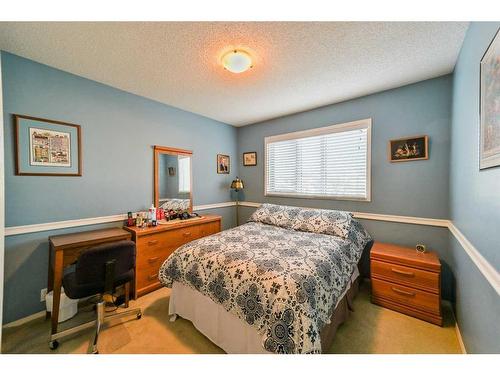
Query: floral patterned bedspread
<point x="282" y="282"/>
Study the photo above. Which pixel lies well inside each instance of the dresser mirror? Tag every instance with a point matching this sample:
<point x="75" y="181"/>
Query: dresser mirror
<point x="173" y="179"/>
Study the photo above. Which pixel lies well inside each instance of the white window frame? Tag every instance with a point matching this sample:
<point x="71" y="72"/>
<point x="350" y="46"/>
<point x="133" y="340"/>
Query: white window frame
<point x="187" y="178"/>
<point x="337" y="128"/>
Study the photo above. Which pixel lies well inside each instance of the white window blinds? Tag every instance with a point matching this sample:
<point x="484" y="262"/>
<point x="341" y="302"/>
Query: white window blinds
<point x="331" y="162"/>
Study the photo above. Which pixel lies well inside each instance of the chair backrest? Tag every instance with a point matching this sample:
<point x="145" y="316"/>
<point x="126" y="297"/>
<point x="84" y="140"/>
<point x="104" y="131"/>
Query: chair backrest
<point x="91" y="265"/>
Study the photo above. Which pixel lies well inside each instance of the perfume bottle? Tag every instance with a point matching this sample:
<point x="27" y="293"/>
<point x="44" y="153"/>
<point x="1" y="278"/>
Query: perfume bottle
<point x="138" y="220"/>
<point x="130" y="219"/>
<point x="152" y="215"/>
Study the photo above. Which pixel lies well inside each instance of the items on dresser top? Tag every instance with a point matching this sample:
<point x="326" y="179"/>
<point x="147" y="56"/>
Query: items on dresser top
<point x="143" y="220"/>
<point x="406" y="281"/>
<point x="155" y="244"/>
<point x="64" y="250"/>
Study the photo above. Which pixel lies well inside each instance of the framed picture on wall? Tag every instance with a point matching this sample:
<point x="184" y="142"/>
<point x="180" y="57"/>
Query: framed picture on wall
<point x="249" y="159"/>
<point x="409" y="149"/>
<point x="223" y="164"/>
<point x="489" y="145"/>
<point x="47" y="147"/>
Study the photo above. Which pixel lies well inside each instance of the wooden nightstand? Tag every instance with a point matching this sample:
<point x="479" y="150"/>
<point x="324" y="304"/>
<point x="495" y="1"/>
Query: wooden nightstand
<point x="406" y="281"/>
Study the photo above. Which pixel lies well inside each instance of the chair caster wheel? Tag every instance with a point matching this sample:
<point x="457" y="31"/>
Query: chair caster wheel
<point x="53" y="345"/>
<point x="95" y="352"/>
<point x="139" y="316"/>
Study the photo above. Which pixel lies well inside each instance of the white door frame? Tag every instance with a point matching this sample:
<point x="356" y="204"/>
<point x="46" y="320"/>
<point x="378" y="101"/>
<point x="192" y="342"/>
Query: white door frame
<point x="2" y="204"/>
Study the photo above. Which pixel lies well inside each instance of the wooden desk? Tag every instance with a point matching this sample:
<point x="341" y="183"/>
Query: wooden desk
<point x="65" y="250"/>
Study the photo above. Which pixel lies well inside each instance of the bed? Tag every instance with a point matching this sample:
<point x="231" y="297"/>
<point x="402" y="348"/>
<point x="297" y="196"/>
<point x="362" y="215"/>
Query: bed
<point x="281" y="283"/>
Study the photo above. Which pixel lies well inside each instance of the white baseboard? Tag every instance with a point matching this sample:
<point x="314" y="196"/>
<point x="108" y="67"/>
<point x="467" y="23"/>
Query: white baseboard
<point x="24" y="320"/>
<point x="44" y="227"/>
<point x="382" y="217"/>
<point x="213" y="205"/>
<point x="459" y="337"/>
<point x="249" y="204"/>
<point x="488" y="271"/>
<point x="457" y="328"/>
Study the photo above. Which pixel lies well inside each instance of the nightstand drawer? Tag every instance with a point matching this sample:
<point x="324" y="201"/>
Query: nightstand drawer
<point x="411" y="297"/>
<point x="407" y="276"/>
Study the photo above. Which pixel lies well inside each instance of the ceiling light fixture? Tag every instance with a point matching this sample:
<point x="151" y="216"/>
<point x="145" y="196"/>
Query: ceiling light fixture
<point x="237" y="61"/>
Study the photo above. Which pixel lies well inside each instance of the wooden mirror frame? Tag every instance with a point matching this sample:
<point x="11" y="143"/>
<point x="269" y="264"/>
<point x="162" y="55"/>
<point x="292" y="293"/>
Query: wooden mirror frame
<point x="158" y="150"/>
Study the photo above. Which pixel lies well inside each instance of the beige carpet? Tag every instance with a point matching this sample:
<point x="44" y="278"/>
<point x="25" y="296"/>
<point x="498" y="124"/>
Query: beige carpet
<point x="370" y="329"/>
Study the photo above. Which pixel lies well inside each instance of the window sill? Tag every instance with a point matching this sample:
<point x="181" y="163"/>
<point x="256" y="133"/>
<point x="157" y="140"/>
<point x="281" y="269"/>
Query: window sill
<point x="322" y="197"/>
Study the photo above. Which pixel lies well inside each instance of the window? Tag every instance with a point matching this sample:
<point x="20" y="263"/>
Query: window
<point x="330" y="162"/>
<point x="184" y="174"/>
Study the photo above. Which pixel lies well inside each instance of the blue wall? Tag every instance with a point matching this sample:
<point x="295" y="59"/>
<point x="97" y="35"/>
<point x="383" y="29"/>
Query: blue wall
<point x="474" y="200"/>
<point x="118" y="131"/>
<point x="418" y="188"/>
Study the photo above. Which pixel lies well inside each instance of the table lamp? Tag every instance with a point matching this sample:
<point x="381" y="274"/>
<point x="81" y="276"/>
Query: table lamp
<point x="237" y="185"/>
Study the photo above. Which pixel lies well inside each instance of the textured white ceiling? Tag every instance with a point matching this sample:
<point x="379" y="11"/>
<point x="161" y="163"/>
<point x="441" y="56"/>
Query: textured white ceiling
<point x="298" y="65"/>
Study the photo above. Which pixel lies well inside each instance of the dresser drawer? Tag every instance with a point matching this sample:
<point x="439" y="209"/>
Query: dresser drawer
<point x="184" y="235"/>
<point x="152" y="242"/>
<point x="152" y="257"/>
<point x="147" y="275"/>
<point x="411" y="297"/>
<point x="170" y="239"/>
<point x="407" y="276"/>
<point x="209" y="228"/>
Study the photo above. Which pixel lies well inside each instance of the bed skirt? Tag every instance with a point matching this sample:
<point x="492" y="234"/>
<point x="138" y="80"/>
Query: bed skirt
<point x="234" y="335"/>
<point x="339" y="316"/>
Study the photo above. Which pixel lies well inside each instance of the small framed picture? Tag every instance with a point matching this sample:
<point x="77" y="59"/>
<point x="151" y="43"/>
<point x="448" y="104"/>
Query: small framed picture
<point x="409" y="149"/>
<point x="249" y="159"/>
<point x="223" y="164"/>
<point x="47" y="147"/>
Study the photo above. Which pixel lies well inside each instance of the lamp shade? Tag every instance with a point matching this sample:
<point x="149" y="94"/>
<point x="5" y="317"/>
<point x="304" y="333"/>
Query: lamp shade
<point x="237" y="184"/>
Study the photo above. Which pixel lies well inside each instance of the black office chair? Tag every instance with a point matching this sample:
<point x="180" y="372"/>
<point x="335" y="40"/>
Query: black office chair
<point x="100" y="270"/>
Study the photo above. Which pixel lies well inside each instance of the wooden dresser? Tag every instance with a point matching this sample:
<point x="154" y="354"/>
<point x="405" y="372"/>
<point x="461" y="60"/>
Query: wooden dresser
<point x="155" y="244"/>
<point x="406" y="281"/>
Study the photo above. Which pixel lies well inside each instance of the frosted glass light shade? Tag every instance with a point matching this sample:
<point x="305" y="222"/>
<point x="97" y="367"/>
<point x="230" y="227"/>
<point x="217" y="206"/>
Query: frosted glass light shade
<point x="237" y="61"/>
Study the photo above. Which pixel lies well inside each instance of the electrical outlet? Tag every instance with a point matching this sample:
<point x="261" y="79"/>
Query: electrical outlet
<point x="43" y="294"/>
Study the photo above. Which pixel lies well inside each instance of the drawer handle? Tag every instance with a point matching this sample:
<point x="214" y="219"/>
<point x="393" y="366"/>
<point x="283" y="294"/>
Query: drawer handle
<point x="152" y="242"/>
<point x="152" y="277"/>
<point x="152" y="260"/>
<point x="186" y="234"/>
<point x="405" y="273"/>
<point x="403" y="292"/>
